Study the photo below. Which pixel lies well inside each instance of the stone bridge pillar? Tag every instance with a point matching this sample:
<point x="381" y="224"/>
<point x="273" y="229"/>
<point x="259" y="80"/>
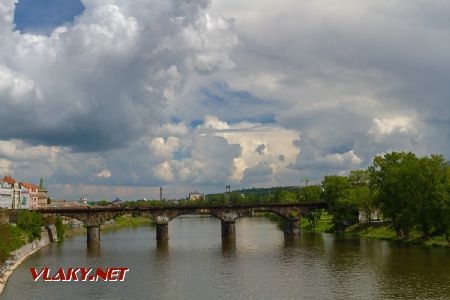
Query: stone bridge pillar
<point x="162" y="227"/>
<point x="228" y="229"/>
<point x="93" y="233"/>
<point x="291" y="227"/>
<point x="162" y="231"/>
<point x="52" y="235"/>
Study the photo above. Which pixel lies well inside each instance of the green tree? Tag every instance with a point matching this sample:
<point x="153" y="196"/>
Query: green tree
<point x="361" y="198"/>
<point x="284" y="196"/>
<point x="360" y="194"/>
<point x="313" y="217"/>
<point x="59" y="228"/>
<point x="393" y="180"/>
<point x="334" y="188"/>
<point x="359" y="178"/>
<point x="31" y="222"/>
<point x="104" y="202"/>
<point x="429" y="190"/>
<point x="312" y="193"/>
<point x="341" y="206"/>
<point x="235" y="198"/>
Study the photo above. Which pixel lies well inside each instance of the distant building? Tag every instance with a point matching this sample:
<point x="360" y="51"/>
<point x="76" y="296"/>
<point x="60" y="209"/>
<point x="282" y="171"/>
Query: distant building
<point x="9" y="193"/>
<point x="117" y="202"/>
<point x="60" y="203"/>
<point x="83" y="200"/>
<point x="364" y="217"/>
<point x="5" y="195"/>
<point x="194" y="196"/>
<point x="42" y="195"/>
<point x="29" y="197"/>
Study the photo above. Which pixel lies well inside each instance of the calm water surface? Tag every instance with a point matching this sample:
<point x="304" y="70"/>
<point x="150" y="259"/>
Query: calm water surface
<point x="261" y="264"/>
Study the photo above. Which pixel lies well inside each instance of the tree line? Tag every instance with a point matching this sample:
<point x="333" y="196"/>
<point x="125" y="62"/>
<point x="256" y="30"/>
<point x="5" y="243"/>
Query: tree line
<point x="411" y="192"/>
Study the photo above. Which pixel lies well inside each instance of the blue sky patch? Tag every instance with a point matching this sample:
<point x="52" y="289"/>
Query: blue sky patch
<point x="42" y="16"/>
<point x="244" y="105"/>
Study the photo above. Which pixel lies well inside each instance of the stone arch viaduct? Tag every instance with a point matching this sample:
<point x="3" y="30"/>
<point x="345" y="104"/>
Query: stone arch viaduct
<point x="94" y="217"/>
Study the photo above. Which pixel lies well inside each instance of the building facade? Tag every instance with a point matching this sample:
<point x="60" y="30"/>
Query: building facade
<point x="195" y="196"/>
<point x="42" y="195"/>
<point x="24" y="195"/>
<point x="5" y="195"/>
<point x="29" y="195"/>
<point x="10" y="193"/>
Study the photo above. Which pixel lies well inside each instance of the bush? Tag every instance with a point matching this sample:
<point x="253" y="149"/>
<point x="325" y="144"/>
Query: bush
<point x="59" y="228"/>
<point x="11" y="239"/>
<point x="30" y="222"/>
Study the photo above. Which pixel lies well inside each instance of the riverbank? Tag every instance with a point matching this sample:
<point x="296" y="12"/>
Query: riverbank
<point x="373" y="230"/>
<point x="383" y="231"/>
<point x="14" y="250"/>
<point x="17" y="256"/>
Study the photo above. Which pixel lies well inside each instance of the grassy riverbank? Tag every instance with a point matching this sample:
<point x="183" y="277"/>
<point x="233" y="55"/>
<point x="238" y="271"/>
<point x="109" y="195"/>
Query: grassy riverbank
<point x="384" y="231"/>
<point x="378" y="230"/>
<point x="119" y="222"/>
<point x="325" y="224"/>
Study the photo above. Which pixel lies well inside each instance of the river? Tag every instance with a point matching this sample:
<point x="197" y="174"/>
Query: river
<point x="261" y="264"/>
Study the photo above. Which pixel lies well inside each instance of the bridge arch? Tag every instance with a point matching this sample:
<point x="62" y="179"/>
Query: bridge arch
<point x="94" y="217"/>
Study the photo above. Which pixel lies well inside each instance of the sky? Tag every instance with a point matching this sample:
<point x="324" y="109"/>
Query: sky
<point x="115" y="98"/>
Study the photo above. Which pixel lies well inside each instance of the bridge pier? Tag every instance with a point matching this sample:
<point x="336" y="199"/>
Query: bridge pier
<point x="291" y="227"/>
<point x="162" y="231"/>
<point x="228" y="229"/>
<point x="52" y="235"/>
<point x="93" y="233"/>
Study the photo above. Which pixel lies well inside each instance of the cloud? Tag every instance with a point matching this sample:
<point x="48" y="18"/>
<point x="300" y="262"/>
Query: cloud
<point x="5" y="166"/>
<point x="260" y="149"/>
<point x="105" y="80"/>
<point x="261" y="173"/>
<point x="201" y="94"/>
<point x="389" y="126"/>
<point x="104" y="173"/>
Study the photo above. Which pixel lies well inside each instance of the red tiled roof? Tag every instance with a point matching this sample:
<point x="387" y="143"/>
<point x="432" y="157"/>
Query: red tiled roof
<point x="29" y="185"/>
<point x="9" y="179"/>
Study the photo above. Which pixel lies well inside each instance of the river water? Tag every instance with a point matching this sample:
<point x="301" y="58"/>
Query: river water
<point x="261" y="264"/>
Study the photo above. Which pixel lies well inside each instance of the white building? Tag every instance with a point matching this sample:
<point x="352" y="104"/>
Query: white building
<point x="10" y="193"/>
<point x="5" y="195"/>
<point x="194" y="196"/>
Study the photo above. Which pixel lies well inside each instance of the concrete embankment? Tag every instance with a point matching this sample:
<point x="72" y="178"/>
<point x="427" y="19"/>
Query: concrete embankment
<point x="48" y="235"/>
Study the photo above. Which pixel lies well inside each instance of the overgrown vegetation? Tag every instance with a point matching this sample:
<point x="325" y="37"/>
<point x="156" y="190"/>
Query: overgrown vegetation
<point x="31" y="223"/>
<point x="11" y="239"/>
<point x="59" y="228"/>
<point x="28" y="228"/>
<point x="130" y="221"/>
<point x="413" y="193"/>
<point x="410" y="194"/>
<point x="323" y="224"/>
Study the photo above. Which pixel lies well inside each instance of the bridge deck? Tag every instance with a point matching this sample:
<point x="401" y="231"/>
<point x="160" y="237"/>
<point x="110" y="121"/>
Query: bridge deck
<point x="179" y="207"/>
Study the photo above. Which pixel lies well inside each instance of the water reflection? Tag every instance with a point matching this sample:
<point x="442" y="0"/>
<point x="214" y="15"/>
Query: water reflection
<point x="291" y="240"/>
<point x="93" y="249"/>
<point x="162" y="247"/>
<point x="260" y="263"/>
<point x="228" y="245"/>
